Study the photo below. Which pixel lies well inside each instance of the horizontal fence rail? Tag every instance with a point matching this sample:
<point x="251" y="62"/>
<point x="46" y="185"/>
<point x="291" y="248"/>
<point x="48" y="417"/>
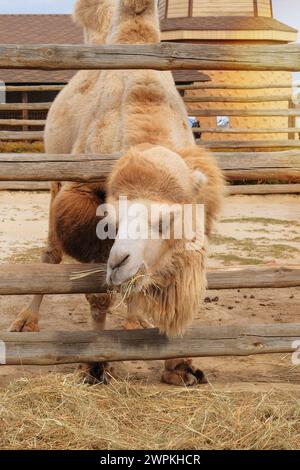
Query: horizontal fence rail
<point x="14" y="88"/>
<point x="210" y="144"/>
<point x="24" y="186"/>
<point x="22" y="135"/>
<point x="204" y="130"/>
<point x="50" y="348"/>
<point x="163" y="56"/>
<point x="284" y="166"/>
<point x="24" y="106"/>
<point x="241" y="112"/>
<point x="194" y="112"/>
<point x="231" y="190"/>
<point x="244" y="112"/>
<point x="236" y="99"/>
<point x="23" y="122"/>
<point x="194" y="86"/>
<point x="231" y="130"/>
<point x="221" y="86"/>
<point x="53" y="279"/>
<point x="260" y="189"/>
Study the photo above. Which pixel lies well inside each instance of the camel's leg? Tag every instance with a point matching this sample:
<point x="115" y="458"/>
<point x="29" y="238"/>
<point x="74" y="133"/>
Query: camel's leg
<point x="99" y="372"/>
<point x="28" y="318"/>
<point x="182" y="372"/>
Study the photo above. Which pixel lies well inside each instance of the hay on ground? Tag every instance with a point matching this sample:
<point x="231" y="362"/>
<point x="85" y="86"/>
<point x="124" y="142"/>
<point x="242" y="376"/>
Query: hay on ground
<point x="58" y="412"/>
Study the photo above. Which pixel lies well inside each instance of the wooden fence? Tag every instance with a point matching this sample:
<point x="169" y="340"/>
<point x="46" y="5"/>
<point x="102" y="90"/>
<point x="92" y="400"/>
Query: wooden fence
<point x="165" y="56"/>
<point x="49" y="348"/>
<point x="57" y="348"/>
<point x="87" y="168"/>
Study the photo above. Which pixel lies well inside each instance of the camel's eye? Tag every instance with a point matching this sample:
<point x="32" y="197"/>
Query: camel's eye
<point x="165" y="224"/>
<point x="160" y="226"/>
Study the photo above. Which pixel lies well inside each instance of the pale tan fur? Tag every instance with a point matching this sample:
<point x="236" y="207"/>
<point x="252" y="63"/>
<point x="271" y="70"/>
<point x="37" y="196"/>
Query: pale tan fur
<point x="158" y="175"/>
<point x="112" y="111"/>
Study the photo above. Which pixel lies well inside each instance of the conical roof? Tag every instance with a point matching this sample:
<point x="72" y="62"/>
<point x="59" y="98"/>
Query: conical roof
<point x="250" y="20"/>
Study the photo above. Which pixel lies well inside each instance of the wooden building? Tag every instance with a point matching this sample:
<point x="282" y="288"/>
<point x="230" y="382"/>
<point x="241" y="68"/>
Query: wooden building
<point x="47" y="29"/>
<point x="34" y="29"/>
<point x="232" y="22"/>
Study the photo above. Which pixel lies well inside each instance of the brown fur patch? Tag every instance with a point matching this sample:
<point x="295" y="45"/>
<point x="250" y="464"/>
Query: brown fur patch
<point x="76" y="222"/>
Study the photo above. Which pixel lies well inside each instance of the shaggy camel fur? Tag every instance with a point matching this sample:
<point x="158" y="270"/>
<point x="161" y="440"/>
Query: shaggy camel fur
<point x="105" y="112"/>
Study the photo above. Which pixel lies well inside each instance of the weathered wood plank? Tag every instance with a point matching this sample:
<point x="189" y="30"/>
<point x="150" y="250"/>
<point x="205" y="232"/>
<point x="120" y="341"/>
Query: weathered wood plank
<point x="244" y="112"/>
<point x="254" y="276"/>
<point x="22" y="122"/>
<point x="53" y="279"/>
<point x="49" y="348"/>
<point x="42" y="167"/>
<point x="13" y="88"/>
<point x="195" y="86"/>
<point x="228" y="144"/>
<point x="217" y="130"/>
<point x="22" y="135"/>
<point x="24" y="186"/>
<point x="231" y="190"/>
<point x="236" y="99"/>
<point x="22" y="106"/>
<point x="230" y="130"/>
<point x="164" y="56"/>
<point x="236" y="166"/>
<point x="263" y="189"/>
<point x="213" y="86"/>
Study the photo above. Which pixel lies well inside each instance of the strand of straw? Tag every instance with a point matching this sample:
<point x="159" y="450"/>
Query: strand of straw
<point x="82" y="274"/>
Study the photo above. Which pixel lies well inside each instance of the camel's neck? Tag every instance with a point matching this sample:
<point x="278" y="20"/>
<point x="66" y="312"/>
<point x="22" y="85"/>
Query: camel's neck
<point x="135" y="22"/>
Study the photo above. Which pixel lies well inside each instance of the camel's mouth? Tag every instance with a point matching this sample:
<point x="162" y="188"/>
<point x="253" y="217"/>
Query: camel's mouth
<point x="135" y="284"/>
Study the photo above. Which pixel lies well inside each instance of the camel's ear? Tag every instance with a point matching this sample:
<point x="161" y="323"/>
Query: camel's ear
<point x="200" y="180"/>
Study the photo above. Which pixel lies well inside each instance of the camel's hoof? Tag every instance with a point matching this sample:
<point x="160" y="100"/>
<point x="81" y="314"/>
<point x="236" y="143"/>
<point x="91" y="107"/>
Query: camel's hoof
<point x="23" y="325"/>
<point x="184" y="374"/>
<point x="96" y="373"/>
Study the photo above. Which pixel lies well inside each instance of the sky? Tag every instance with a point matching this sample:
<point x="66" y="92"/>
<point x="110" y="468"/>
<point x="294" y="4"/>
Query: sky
<point x="287" y="11"/>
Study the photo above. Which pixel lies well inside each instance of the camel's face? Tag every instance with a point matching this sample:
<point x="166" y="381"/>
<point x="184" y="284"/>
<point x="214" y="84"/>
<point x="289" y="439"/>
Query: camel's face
<point x="158" y="185"/>
<point x="144" y="243"/>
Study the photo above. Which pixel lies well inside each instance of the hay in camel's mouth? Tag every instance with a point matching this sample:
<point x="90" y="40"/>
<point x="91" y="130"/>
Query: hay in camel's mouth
<point x="133" y="285"/>
<point x="86" y="273"/>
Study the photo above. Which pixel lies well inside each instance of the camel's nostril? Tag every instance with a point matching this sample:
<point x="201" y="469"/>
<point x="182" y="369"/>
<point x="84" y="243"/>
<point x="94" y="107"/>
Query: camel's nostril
<point x="118" y="263"/>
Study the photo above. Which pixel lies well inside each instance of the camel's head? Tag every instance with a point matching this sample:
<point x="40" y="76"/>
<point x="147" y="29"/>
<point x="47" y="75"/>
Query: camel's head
<point x="147" y="192"/>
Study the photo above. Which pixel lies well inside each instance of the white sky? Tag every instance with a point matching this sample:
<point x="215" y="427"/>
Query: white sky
<point x="36" y="6"/>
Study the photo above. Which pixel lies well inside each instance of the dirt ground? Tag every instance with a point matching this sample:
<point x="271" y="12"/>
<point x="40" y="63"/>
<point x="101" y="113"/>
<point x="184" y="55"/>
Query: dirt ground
<point x="253" y="230"/>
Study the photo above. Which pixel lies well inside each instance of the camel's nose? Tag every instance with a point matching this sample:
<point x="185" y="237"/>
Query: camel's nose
<point x="115" y="263"/>
<point x="118" y="261"/>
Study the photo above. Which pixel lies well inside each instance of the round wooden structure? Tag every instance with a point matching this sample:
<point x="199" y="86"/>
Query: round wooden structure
<point x="236" y="22"/>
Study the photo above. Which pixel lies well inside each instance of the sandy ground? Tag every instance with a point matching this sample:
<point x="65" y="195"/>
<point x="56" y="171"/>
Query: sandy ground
<point x="252" y="230"/>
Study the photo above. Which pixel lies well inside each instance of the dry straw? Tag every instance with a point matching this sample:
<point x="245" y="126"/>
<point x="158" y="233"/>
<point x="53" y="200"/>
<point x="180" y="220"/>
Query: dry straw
<point x="59" y="412"/>
<point x="86" y="273"/>
<point x="125" y="289"/>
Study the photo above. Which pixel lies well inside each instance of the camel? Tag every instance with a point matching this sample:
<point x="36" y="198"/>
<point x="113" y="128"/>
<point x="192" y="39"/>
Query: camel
<point x="139" y="114"/>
